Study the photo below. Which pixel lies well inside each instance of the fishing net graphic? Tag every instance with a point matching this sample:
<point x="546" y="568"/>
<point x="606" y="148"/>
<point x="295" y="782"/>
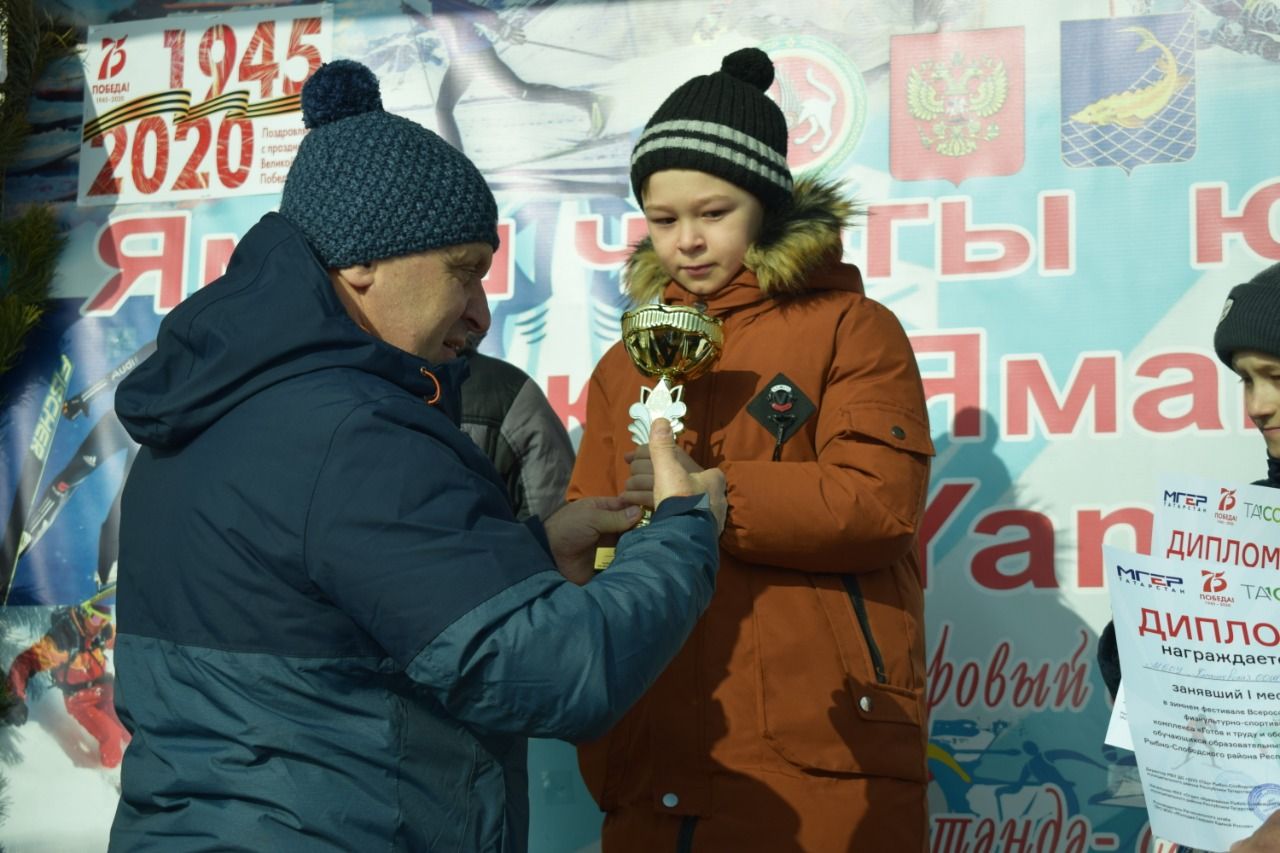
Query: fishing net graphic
<point x="1167" y="137"/>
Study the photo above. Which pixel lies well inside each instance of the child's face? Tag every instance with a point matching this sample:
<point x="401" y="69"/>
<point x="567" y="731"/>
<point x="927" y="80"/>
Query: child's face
<point x="701" y="227"/>
<point x="1261" y="376"/>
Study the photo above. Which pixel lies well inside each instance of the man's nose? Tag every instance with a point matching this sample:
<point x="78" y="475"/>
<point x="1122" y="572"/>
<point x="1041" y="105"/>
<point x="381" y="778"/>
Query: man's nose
<point x="477" y="315"/>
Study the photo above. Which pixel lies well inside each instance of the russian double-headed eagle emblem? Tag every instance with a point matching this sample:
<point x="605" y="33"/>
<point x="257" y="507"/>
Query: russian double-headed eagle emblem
<point x="957" y="99"/>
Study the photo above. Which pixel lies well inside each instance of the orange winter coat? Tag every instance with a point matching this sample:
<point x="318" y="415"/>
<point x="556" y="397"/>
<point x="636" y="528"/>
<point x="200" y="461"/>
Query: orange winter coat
<point x="794" y="717"/>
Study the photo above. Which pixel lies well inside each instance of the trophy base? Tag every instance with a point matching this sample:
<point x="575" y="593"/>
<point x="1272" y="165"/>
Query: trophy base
<point x="604" y="554"/>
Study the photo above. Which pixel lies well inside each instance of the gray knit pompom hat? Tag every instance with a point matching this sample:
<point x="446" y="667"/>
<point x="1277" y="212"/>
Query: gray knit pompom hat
<point x="367" y="185"/>
<point x="1251" y="317"/>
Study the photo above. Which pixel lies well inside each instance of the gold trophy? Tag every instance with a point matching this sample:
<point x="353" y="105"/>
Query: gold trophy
<point x="674" y="343"/>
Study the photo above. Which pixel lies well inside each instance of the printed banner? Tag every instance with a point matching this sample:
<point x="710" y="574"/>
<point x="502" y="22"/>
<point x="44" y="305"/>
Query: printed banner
<point x="197" y="107"/>
<point x="1061" y="312"/>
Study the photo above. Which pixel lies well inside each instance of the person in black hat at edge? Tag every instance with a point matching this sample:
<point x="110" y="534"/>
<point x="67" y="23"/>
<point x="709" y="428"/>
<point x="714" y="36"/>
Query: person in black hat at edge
<point x="333" y="633"/>
<point x="1247" y="340"/>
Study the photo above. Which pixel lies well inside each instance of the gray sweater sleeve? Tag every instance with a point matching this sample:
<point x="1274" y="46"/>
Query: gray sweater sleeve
<point x="543" y="453"/>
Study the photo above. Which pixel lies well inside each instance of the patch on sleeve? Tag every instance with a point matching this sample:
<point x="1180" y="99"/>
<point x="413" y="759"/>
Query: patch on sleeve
<point x="781" y="408"/>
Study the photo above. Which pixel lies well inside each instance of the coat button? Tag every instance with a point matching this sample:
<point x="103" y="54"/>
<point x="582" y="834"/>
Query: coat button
<point x="670" y="800"/>
<point x="865" y="704"/>
<point x="898" y="433"/>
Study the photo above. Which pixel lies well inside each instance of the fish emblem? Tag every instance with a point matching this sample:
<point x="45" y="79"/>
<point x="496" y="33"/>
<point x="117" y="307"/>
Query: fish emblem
<point x="1136" y="107"/>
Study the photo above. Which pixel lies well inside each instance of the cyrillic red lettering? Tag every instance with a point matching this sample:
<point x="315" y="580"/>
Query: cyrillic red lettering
<point x="962" y="385"/>
<point x="1201" y="388"/>
<point x="967" y="684"/>
<point x="950" y="834"/>
<point x="1051" y="827"/>
<point x="993" y="692"/>
<point x="1093" y="379"/>
<point x="1271" y="557"/>
<point x="985" y="838"/>
<point x="1245" y="555"/>
<point x="1181" y="628"/>
<point x="1266" y="634"/>
<point x="1077" y="836"/>
<point x="1072" y="678"/>
<point x="1020" y="843"/>
<point x="1150" y="624"/>
<point x="1200" y="622"/>
<point x="1057" y="233"/>
<point x="588" y="240"/>
<point x="500" y="281"/>
<point x="1030" y="689"/>
<point x="1008" y="247"/>
<point x="1092" y="528"/>
<point x="148" y="248"/>
<point x="1212" y="223"/>
<point x="1232" y="625"/>
<point x="1037" y="545"/>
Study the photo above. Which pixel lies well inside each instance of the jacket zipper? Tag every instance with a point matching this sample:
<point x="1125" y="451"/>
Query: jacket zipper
<point x="684" y="841"/>
<point x="860" y="610"/>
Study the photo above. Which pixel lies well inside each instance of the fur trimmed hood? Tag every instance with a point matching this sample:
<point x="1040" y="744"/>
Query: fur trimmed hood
<point x="789" y="251"/>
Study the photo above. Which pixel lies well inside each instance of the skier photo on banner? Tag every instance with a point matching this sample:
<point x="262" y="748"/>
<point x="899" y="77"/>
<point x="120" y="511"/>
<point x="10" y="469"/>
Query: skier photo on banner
<point x="73" y="653"/>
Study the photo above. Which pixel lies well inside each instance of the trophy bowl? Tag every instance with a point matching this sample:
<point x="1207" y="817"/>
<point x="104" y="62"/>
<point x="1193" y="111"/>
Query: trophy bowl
<point x="672" y="341"/>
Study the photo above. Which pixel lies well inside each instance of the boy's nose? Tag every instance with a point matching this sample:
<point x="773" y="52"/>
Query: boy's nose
<point x="1260" y="406"/>
<point x="690" y="238"/>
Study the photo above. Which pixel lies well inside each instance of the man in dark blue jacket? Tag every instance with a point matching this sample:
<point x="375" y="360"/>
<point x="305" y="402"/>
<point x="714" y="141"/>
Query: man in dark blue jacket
<point x="333" y="634"/>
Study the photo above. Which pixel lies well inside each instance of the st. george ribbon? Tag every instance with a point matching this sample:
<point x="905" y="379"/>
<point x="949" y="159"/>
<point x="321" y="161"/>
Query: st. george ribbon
<point x="674" y="343"/>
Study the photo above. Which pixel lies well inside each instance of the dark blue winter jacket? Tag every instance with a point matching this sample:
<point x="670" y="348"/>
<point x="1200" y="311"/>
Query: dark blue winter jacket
<point x="333" y="635"/>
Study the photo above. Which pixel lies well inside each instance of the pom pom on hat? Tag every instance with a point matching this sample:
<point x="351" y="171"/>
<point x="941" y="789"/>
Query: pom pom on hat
<point x="750" y="65"/>
<point x="722" y="124"/>
<point x="367" y="184"/>
<point x="338" y="90"/>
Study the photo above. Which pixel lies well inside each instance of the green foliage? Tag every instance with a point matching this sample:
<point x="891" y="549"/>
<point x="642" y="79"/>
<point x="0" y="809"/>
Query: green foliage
<point x="29" y="246"/>
<point x="29" y="242"/>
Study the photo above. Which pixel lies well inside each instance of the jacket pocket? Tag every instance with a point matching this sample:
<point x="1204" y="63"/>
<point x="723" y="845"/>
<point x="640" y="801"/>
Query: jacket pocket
<point x="899" y="442"/>
<point x="864" y="626"/>
<point x="826" y="700"/>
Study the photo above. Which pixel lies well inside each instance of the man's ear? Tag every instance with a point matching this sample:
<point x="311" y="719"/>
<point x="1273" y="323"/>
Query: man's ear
<point x="358" y="277"/>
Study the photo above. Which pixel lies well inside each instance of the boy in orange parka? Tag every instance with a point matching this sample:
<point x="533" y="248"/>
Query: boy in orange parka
<point x="794" y="718"/>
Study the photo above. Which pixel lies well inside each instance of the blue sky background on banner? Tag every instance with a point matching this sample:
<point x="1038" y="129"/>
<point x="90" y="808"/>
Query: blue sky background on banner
<point x="1133" y="290"/>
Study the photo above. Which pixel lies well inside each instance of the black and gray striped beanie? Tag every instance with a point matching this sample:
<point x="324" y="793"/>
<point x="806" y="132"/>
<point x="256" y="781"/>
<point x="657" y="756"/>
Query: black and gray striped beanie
<point x="1251" y="317"/>
<point x="722" y="124"/>
<point x="367" y="185"/>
